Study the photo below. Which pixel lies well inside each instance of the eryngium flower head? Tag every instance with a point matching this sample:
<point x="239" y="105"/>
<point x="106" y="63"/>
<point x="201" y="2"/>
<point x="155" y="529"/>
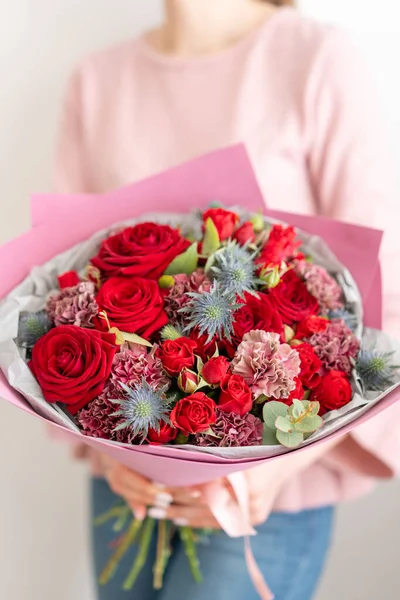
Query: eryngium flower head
<point x="31" y="327"/>
<point x="235" y="270"/>
<point x="211" y="312"/>
<point x="376" y="369"/>
<point x="142" y="409"/>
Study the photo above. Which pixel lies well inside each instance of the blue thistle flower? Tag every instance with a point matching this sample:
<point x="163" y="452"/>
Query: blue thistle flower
<point x="376" y="369"/>
<point x="344" y="315"/>
<point x="142" y="409"/>
<point x="211" y="312"/>
<point x="235" y="270"/>
<point x="31" y="327"/>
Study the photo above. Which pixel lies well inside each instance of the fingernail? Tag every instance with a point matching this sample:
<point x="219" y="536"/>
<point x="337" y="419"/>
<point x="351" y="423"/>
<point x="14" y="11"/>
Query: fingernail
<point x="163" y="500"/>
<point x="159" y="486"/>
<point x="157" y="513"/>
<point x="195" y="494"/>
<point x="140" y="513"/>
<point x="180" y="522"/>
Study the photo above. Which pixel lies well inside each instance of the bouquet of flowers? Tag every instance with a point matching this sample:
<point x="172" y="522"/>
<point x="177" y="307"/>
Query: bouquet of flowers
<point x="220" y="336"/>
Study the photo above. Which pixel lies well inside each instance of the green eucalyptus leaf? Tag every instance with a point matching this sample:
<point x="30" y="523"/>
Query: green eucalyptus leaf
<point x="313" y="409"/>
<point x="284" y="424"/>
<point x="269" y="437"/>
<point x="290" y="440"/>
<point x="308" y="424"/>
<point x="211" y="241"/>
<point x="273" y="410"/>
<point x="297" y="409"/>
<point x="185" y="263"/>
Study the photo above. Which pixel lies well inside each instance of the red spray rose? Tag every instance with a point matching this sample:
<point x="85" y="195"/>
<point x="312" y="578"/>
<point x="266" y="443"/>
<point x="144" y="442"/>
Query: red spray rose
<point x="204" y="350"/>
<point x="69" y="279"/>
<point x="235" y="395"/>
<point x="215" y="369"/>
<point x="310" y="366"/>
<point x="333" y="392"/>
<point x="307" y="327"/>
<point x="292" y="299"/>
<point x="281" y="245"/>
<point x="224" y="220"/>
<point x="256" y="313"/>
<point x="133" y="305"/>
<point x="72" y="364"/>
<point x="144" y="250"/>
<point x="245" y="233"/>
<point x="194" y="414"/>
<point x="177" y="355"/>
<point x="166" y="434"/>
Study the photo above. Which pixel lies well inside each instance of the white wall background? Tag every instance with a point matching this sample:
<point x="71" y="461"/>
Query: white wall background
<point x="43" y="495"/>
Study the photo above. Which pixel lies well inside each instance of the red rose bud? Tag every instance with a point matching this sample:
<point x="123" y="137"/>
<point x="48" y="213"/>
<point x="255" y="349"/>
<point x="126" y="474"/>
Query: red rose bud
<point x="224" y="221"/>
<point x="188" y="381"/>
<point x="245" y="234"/>
<point x="69" y="279"/>
<point x="215" y="369"/>
<point x="310" y="366"/>
<point x="333" y="392"/>
<point x="145" y="250"/>
<point x="310" y="325"/>
<point x="235" y="395"/>
<point x="166" y="434"/>
<point x="194" y="414"/>
<point x="72" y="364"/>
<point x="282" y="245"/>
<point x="177" y="355"/>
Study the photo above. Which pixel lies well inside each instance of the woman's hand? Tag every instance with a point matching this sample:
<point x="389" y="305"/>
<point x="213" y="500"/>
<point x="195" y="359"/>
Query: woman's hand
<point x="188" y="506"/>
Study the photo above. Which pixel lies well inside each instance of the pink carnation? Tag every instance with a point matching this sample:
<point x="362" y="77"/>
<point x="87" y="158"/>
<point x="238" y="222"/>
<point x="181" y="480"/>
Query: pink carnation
<point x="267" y="366"/>
<point x="133" y="364"/>
<point x="177" y="298"/>
<point x="231" y="430"/>
<point x="337" y="346"/>
<point x="97" y="419"/>
<point x="74" y="305"/>
<point x="321" y="285"/>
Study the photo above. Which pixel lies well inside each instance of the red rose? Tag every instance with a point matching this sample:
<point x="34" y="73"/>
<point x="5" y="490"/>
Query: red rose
<point x="72" y="364"/>
<point x="333" y="392"/>
<point x="292" y="299"/>
<point x="133" y="305"/>
<point x="215" y="369"/>
<point x="245" y="233"/>
<point x="257" y="313"/>
<point x="188" y="381"/>
<point x="69" y="279"/>
<point x="310" y="366"/>
<point x="144" y="250"/>
<point x="204" y="349"/>
<point x="235" y="395"/>
<point x="307" y="327"/>
<point x="282" y="245"/>
<point x="177" y="355"/>
<point x="194" y="414"/>
<point x="166" y="434"/>
<point x="224" y="220"/>
<point x="296" y="394"/>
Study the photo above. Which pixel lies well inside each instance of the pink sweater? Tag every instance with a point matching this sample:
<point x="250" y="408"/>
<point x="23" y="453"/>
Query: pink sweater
<point x="297" y="93"/>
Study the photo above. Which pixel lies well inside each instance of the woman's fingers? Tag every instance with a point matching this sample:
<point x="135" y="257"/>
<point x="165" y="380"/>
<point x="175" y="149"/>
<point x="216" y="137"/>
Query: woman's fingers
<point x="194" y="516"/>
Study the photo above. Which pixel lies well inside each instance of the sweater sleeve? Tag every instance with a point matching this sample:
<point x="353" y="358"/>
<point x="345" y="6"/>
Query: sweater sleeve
<point x="71" y="172"/>
<point x="353" y="176"/>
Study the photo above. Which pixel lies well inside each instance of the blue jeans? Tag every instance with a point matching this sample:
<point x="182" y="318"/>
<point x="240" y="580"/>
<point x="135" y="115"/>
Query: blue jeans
<point x="290" y="549"/>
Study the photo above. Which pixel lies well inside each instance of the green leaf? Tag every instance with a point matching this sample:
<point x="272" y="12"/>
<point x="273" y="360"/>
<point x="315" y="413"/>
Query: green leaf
<point x="283" y="424"/>
<point x="185" y="263"/>
<point x="273" y="410"/>
<point x="200" y="364"/>
<point x="269" y="437"/>
<point x="297" y="409"/>
<point x="211" y="241"/>
<point x="313" y="409"/>
<point x="290" y="440"/>
<point x="308" y="424"/>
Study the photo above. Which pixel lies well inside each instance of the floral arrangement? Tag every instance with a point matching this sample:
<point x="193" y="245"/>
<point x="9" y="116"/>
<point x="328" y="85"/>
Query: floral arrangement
<point x="232" y="338"/>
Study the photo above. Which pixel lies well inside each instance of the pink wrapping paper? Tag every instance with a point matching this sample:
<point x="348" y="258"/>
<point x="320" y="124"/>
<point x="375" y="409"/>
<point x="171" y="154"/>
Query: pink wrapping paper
<point x="226" y="176"/>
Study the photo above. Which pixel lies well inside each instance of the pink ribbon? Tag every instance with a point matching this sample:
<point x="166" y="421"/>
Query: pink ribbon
<point x="233" y="514"/>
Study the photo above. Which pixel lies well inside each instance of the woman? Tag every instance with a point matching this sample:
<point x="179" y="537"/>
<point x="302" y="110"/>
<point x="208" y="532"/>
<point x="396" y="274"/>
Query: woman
<point x="215" y="73"/>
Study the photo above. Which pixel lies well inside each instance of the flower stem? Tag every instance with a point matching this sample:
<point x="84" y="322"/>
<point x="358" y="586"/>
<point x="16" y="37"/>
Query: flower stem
<point x="114" y="512"/>
<point x="119" y="553"/>
<point x="123" y="518"/>
<point x="141" y="557"/>
<point x="189" y="542"/>
<point x="163" y="553"/>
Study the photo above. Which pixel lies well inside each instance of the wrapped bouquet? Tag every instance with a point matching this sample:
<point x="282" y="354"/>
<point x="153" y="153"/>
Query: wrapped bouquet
<point x="192" y="345"/>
